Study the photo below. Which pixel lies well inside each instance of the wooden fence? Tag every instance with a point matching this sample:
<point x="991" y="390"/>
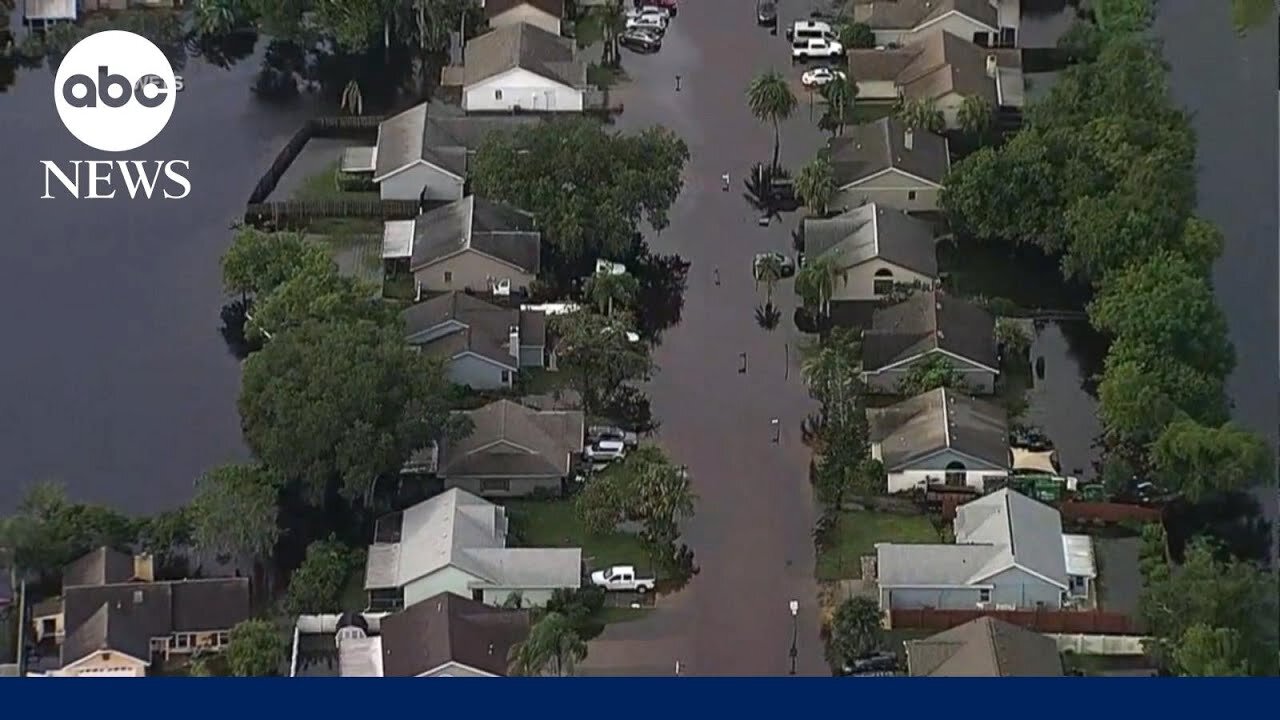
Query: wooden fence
<point x="1107" y="513"/>
<point x="356" y="126"/>
<point x="1090" y="622"/>
<point x="294" y="213"/>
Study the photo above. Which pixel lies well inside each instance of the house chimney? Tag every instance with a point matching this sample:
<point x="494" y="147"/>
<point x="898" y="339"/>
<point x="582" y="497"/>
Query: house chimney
<point x="144" y="568"/>
<point x="991" y="65"/>
<point x="513" y="341"/>
<point x="908" y="139"/>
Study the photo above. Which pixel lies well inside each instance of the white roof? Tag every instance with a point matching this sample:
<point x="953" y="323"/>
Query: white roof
<point x="397" y="239"/>
<point x="1078" y="551"/>
<point x="51" y="9"/>
<point x="358" y="159"/>
<point x="360" y="657"/>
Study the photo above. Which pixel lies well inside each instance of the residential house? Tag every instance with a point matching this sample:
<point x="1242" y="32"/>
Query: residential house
<point x="942" y="69"/>
<point x="545" y="14"/>
<point x="887" y="162"/>
<point x="114" y="618"/>
<point x="1009" y="554"/>
<point x="470" y="244"/>
<point x="484" y="345"/>
<point x="519" y="67"/>
<point x="989" y="23"/>
<point x="43" y="14"/>
<point x="424" y="152"/>
<point x="941" y="437"/>
<point x="984" y="647"/>
<point x="925" y="326"/>
<point x="457" y="542"/>
<point x="878" y="247"/>
<point x="443" y="636"/>
<point x="513" y="451"/>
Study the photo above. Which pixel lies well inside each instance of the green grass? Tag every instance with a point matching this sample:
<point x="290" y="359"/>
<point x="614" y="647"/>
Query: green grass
<point x="611" y="615"/>
<point x="399" y="287"/>
<point x="354" y="597"/>
<point x="323" y="185"/>
<point x="856" y="535"/>
<point x="553" y="523"/>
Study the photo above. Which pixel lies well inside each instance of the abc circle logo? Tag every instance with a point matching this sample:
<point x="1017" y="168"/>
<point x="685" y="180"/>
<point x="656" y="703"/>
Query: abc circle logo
<point x="115" y="91"/>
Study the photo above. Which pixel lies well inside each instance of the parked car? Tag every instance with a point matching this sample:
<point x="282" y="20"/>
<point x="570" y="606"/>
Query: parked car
<point x="605" y="451"/>
<point x="810" y="30"/>
<point x="648" y="25"/>
<point x="881" y="661"/>
<point x="767" y="14"/>
<point x="622" y="578"/>
<point x="818" y="77"/>
<point x="647" y="19"/>
<point x="787" y="264"/>
<point x="668" y="5"/>
<point x="803" y="49"/>
<point x="609" y="432"/>
<point x="641" y="41"/>
<point x="653" y="10"/>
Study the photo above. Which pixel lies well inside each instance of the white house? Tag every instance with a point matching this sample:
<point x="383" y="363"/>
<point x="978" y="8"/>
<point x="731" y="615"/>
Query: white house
<point x="898" y="22"/>
<point x="456" y="542"/>
<point x="941" y="437"/>
<point x="545" y="14"/>
<point x="520" y="67"/>
<point x="888" y="163"/>
<point x="927" y="327"/>
<point x="1009" y="554"/>
<point x="878" y="247"/>
<point x="483" y="345"/>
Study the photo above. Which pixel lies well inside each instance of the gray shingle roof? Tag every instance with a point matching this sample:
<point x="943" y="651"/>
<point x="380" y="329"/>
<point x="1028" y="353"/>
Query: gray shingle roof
<point x="493" y="228"/>
<point x="449" y="628"/>
<point x="984" y="647"/>
<point x="108" y="628"/>
<point x="867" y="149"/>
<point x="493" y="8"/>
<point x="874" y="231"/>
<point x="1028" y="532"/>
<point x="910" y="14"/>
<point x="486" y="327"/>
<point x="99" y="567"/>
<point x="937" y="420"/>
<point x="946" y="63"/>
<point x="524" y="46"/>
<point x="925" y="322"/>
<point x="509" y="439"/>
<point x="439" y="134"/>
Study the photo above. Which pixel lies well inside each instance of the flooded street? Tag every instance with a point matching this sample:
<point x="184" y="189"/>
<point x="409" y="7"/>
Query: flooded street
<point x="115" y="379"/>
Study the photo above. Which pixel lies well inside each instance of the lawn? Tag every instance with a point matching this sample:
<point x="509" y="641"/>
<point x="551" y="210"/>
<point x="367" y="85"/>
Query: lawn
<point x="858" y="531"/>
<point x="324" y="186"/>
<point x="553" y="523"/>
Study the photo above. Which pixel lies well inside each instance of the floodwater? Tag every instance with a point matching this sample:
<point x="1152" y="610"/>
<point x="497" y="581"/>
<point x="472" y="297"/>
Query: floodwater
<point x="1065" y="358"/>
<point x="114" y="378"/>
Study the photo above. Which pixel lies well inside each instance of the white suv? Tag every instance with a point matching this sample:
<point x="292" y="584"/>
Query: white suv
<point x="815" y="49"/>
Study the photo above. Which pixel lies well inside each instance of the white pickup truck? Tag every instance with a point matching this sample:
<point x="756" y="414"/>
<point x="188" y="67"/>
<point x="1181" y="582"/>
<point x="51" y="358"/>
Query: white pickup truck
<point x="622" y="578"/>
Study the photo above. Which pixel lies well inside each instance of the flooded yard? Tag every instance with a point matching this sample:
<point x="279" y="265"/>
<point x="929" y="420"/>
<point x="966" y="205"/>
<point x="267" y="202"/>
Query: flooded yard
<point x="1065" y="358"/>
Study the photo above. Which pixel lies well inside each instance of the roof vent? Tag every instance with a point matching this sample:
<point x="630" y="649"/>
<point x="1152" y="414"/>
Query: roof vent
<point x="439" y="607"/>
<point x="490" y="648"/>
<point x="908" y="138"/>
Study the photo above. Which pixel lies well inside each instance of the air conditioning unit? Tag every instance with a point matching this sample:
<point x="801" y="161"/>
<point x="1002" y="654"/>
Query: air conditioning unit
<point x="502" y="287"/>
<point x="984" y="606"/>
<point x="1004" y="606"/>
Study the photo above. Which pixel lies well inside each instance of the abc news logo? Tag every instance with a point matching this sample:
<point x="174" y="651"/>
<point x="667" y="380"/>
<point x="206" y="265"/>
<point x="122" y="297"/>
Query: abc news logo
<point x="112" y="91"/>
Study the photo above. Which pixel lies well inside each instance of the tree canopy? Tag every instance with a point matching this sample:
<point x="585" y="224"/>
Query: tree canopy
<point x="770" y="100"/>
<point x="1195" y="459"/>
<point x="856" y="632"/>
<point x="48" y="531"/>
<point x="553" y="647"/>
<point x="256" y="649"/>
<point x="235" y="511"/>
<point x="258" y="262"/>
<point x="316" y="293"/>
<point x="595" y="352"/>
<point x="317" y="585"/>
<point x="646" y="488"/>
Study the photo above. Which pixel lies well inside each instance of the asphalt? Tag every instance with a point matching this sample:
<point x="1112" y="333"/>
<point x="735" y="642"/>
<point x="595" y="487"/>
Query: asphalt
<point x="751" y="533"/>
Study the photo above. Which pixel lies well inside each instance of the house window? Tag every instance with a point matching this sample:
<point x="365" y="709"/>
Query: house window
<point x="984" y="595"/>
<point x="137" y="597"/>
<point x="911" y="194"/>
<point x="477" y="595"/>
<point x="48" y="626"/>
<point x="181" y="641"/>
<point x="955" y="473"/>
<point x="882" y="284"/>
<point x="495" y="485"/>
<point x="506" y="377"/>
<point x="448" y="276"/>
<point x="497" y="94"/>
<point x="224" y="638"/>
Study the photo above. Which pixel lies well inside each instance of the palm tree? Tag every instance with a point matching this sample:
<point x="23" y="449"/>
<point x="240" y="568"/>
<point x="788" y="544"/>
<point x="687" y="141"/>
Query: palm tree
<point x="816" y="281"/>
<point x="553" y="646"/>
<point x="816" y="183"/>
<point x="839" y="94"/>
<point x="768" y="269"/>
<point x="215" y="17"/>
<point x="604" y="287"/>
<point x="975" y="116"/>
<point x="771" y="100"/>
<point x="352" y="99"/>
<point x="921" y="114"/>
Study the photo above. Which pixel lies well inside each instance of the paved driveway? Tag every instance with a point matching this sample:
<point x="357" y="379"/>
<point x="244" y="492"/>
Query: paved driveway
<point x="752" y="529"/>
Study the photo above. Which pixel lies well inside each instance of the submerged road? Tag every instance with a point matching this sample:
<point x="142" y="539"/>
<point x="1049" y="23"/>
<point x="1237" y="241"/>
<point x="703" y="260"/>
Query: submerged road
<point x="752" y="530"/>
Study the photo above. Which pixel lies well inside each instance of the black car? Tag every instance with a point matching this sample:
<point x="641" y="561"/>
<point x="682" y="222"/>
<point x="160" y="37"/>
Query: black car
<point x="767" y="14"/>
<point x="640" y="41"/>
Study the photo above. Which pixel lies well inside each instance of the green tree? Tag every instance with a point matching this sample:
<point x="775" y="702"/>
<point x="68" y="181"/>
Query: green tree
<point x="921" y="114"/>
<point x="839" y="95"/>
<point x="770" y="99"/>
<point x="553" y="647"/>
<point x="165" y="535"/>
<point x="1197" y="460"/>
<point x="816" y="281"/>
<point x="857" y="35"/>
<point x="256" y="649"/>
<point x="816" y="183"/>
<point x="1011" y="193"/>
<point x="1122" y="16"/>
<point x="317" y="585"/>
<point x="217" y="17"/>
<point x="598" y="356"/>
<point x="335" y="405"/>
<point x="1142" y="389"/>
<point x="321" y="295"/>
<point x="258" y="262"/>
<point x="1204" y="651"/>
<point x="934" y="372"/>
<point x="235" y="511"/>
<point x="590" y="202"/>
<point x="48" y="531"/>
<point x="645" y="488"/>
<point x="856" y="632"/>
<point x="354" y="24"/>
<point x="831" y="368"/>
<point x="604" y="288"/>
<point x="976" y="116"/>
<point x="767" y="269"/>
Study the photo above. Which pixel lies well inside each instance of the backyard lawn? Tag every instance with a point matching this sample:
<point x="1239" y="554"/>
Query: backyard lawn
<point x="858" y="531"/>
<point x="553" y="523"/>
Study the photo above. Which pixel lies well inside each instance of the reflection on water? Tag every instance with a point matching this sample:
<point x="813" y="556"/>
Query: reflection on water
<point x="1066" y="357"/>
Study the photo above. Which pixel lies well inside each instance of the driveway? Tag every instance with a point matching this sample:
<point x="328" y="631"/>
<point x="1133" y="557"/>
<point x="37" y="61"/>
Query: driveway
<point x="751" y="534"/>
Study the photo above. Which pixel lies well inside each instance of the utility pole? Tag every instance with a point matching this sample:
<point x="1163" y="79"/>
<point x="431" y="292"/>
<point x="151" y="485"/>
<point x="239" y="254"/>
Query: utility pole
<point x="21" y="652"/>
<point x="795" y="633"/>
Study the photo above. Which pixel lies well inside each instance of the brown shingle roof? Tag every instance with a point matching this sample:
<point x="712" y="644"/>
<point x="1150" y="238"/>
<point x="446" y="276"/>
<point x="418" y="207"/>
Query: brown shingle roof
<point x="870" y="148"/>
<point x="523" y="46"/>
<point x="945" y="63"/>
<point x="99" y="567"/>
<point x="512" y="440"/>
<point x="937" y="420"/>
<point x="985" y="647"/>
<point x="487" y="327"/>
<point x="493" y="8"/>
<point x="910" y="14"/>
<point x="925" y="322"/>
<point x="448" y="628"/>
<point x="493" y="228"/>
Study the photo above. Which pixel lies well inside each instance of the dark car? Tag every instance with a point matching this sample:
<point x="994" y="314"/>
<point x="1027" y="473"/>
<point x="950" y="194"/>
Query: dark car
<point x="767" y="14"/>
<point x="641" y="41"/>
